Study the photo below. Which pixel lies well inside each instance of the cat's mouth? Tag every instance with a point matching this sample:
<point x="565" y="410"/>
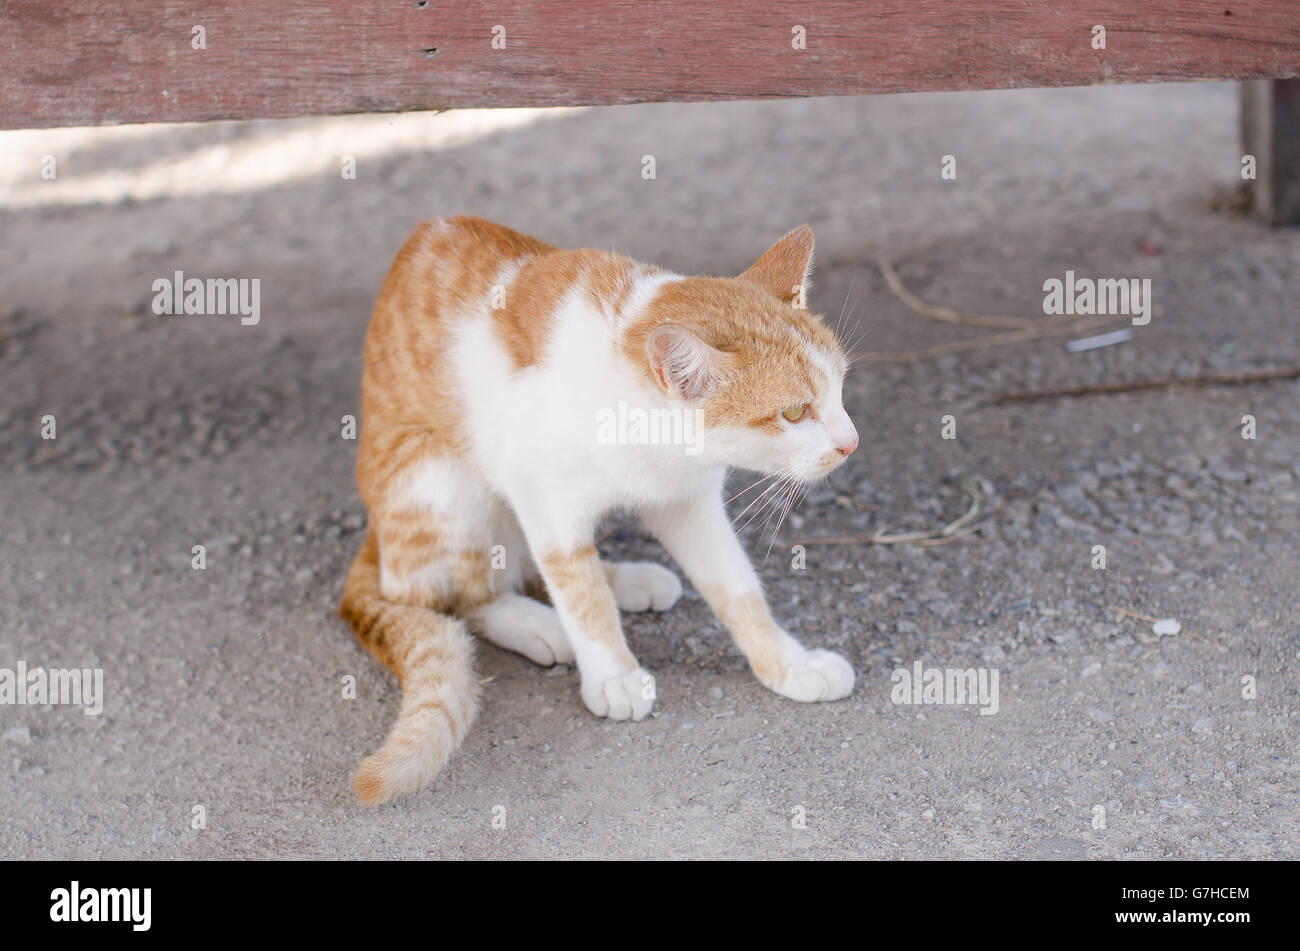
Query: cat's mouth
<point x="832" y="461"/>
<point x="814" y="472"/>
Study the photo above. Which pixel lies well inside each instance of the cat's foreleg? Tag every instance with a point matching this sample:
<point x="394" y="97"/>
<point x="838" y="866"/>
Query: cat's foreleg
<point x="613" y="683"/>
<point x="698" y="535"/>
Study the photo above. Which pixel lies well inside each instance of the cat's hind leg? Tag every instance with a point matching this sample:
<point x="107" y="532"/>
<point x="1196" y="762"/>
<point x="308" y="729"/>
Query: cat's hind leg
<point x="518" y="618"/>
<point x="642" y="585"/>
<point x="518" y="623"/>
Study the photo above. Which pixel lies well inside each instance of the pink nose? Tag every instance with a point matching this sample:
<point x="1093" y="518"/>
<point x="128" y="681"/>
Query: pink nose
<point x="847" y="448"/>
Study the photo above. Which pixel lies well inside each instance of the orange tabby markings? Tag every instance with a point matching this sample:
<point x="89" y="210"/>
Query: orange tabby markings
<point x="771" y="332"/>
<point x="752" y="627"/>
<point x="444" y="267"/>
<point x="577" y="581"/>
<point x="432" y="655"/>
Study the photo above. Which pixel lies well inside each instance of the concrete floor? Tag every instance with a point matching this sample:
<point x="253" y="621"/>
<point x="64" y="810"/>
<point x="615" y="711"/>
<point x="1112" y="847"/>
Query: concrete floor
<point x="223" y="685"/>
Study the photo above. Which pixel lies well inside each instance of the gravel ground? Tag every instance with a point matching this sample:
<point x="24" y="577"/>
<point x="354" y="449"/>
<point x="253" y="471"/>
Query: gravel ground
<point x="223" y="685"/>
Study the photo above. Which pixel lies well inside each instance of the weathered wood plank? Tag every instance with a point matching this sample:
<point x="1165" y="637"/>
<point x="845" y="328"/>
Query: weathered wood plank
<point x="1270" y="131"/>
<point x="104" y="61"/>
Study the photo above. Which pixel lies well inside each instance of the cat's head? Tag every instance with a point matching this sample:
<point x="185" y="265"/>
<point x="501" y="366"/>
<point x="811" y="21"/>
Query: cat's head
<point x="764" y="372"/>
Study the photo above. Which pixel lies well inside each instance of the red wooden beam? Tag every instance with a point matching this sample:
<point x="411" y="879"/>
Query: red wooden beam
<point x="106" y="61"/>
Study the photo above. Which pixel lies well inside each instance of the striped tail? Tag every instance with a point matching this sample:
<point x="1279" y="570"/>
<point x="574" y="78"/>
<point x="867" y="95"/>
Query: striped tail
<point x="432" y="655"/>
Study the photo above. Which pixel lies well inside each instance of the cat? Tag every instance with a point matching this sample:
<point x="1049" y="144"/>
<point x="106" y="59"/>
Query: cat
<point x="488" y="359"/>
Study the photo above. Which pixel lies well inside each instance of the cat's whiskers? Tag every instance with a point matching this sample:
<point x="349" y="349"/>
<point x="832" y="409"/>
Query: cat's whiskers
<point x="856" y="334"/>
<point x="779" y="478"/>
<point x="850" y="350"/>
<point x="769" y="504"/>
<point x="796" y="497"/>
<point x="840" y="322"/>
<point x="774" y="503"/>
<point x="778" y="505"/>
<point x="762" y="503"/>
<point x="685" y="529"/>
<point x="760" y="481"/>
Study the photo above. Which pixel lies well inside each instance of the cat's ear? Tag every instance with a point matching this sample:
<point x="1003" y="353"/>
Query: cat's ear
<point x="682" y="363"/>
<point x="786" y="267"/>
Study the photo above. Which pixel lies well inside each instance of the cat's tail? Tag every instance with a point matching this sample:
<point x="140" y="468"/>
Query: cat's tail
<point x="432" y="655"/>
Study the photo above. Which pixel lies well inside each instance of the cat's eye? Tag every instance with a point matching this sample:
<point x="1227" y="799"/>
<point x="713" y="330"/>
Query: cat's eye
<point x="795" y="413"/>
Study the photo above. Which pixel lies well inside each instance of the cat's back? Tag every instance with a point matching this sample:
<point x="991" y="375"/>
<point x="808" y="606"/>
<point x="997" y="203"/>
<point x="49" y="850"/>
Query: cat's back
<point x="454" y="272"/>
<point x="451" y="261"/>
<point x="441" y="277"/>
<point x="444" y="273"/>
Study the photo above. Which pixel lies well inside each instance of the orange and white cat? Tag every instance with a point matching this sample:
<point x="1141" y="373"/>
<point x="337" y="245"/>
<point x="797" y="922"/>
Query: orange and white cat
<point x="489" y="359"/>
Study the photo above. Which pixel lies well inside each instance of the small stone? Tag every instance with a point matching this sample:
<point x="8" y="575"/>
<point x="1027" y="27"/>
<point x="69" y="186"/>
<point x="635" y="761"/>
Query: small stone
<point x="1094" y="668"/>
<point x="1203" y="726"/>
<point x="18" y="734"/>
<point x="928" y="815"/>
<point x="715" y="693"/>
<point x="1166" y="627"/>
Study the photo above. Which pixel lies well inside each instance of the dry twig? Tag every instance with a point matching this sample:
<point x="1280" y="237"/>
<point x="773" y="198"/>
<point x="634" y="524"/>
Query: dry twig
<point x="1209" y="379"/>
<point x="938" y="536"/>
<point x="1026" y="328"/>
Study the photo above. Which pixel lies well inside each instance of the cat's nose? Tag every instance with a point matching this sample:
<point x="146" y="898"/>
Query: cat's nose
<point x="844" y="435"/>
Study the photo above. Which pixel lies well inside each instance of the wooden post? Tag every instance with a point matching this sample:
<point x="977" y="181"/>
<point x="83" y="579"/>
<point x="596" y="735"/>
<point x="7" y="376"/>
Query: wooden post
<point x="1270" y="131"/>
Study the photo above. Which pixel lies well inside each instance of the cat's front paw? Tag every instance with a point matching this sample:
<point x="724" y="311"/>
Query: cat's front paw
<point x="643" y="585"/>
<point x="815" y="675"/>
<point x="626" y="696"/>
